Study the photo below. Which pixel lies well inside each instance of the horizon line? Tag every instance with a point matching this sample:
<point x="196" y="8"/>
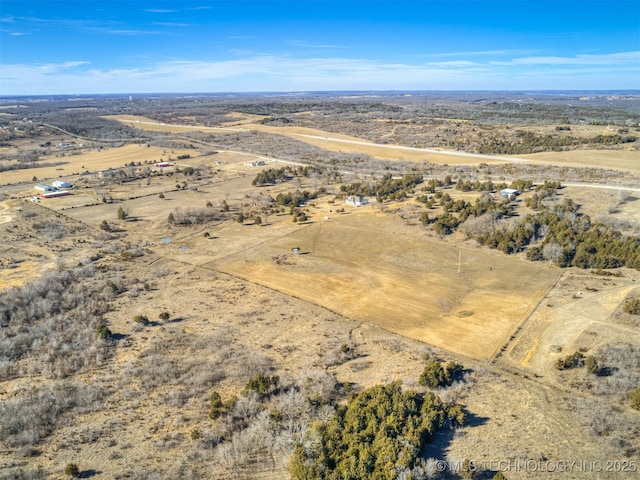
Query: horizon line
<point x="316" y="92"/>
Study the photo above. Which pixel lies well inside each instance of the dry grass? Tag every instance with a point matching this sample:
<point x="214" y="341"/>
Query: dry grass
<point x="400" y="279"/>
<point x="627" y="159"/>
<point x="241" y="303"/>
<point x="94" y="161"/>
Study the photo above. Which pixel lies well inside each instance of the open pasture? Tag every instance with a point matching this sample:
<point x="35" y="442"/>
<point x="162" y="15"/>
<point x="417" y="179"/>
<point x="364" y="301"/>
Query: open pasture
<point x="375" y="269"/>
<point x="93" y="161"/>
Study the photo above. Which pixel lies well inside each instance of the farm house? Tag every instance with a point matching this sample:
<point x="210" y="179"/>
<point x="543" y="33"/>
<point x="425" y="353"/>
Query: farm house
<point x="356" y="200"/>
<point x="508" y="192"/>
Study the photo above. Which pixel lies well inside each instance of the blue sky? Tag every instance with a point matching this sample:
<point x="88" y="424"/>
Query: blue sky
<point x="129" y="46"/>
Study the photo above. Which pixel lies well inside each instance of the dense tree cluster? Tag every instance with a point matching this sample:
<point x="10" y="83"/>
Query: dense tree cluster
<point x="530" y="142"/>
<point x="447" y="223"/>
<point x="582" y="244"/>
<point x="297" y="198"/>
<point x="380" y="434"/>
<point x="387" y="188"/>
<point x="272" y="176"/>
<point x="567" y="239"/>
<point x="478" y="186"/>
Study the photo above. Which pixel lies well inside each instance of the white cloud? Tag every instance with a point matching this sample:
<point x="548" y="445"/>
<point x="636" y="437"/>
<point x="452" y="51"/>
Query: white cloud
<point x="159" y="10"/>
<point x="172" y="24"/>
<point x="453" y="63"/>
<point x="587" y="59"/>
<point x="287" y="73"/>
<point x="132" y="32"/>
<point x="479" y="53"/>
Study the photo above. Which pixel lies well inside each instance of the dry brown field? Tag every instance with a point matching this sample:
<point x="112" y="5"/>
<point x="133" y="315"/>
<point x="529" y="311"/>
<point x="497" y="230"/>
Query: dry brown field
<point x="93" y="161"/>
<point x="626" y="160"/>
<point x="241" y="301"/>
<point x="399" y="279"/>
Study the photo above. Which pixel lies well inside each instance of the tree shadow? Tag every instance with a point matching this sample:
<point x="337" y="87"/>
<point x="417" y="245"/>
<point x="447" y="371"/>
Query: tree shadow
<point x="606" y="371"/>
<point x="439" y="445"/>
<point x="89" y="473"/>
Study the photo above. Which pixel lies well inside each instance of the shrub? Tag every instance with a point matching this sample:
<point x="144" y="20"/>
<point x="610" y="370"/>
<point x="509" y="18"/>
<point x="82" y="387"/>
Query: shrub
<point x="634" y="398"/>
<point x="72" y="470"/>
<point x="632" y="306"/>
<point x="103" y="332"/>
<point x="141" y="319"/>
<point x="122" y="214"/>
<point x="216" y="407"/>
<point x="262" y="384"/>
<point x="164" y="316"/>
<point x="592" y="364"/>
<point x="437" y="375"/>
<point x="570" y="361"/>
<point x="105" y="226"/>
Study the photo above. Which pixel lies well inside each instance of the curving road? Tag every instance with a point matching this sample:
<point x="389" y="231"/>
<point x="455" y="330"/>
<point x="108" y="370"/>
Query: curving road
<point x="438" y="151"/>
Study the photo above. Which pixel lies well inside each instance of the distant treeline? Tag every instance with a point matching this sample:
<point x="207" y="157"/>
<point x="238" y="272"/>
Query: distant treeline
<point x="529" y="142"/>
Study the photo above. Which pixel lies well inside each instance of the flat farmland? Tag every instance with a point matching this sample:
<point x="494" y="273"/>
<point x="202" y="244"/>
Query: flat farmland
<point x="626" y="160"/>
<point x="361" y="263"/>
<point x="373" y="268"/>
<point x="151" y="125"/>
<point x="94" y="160"/>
